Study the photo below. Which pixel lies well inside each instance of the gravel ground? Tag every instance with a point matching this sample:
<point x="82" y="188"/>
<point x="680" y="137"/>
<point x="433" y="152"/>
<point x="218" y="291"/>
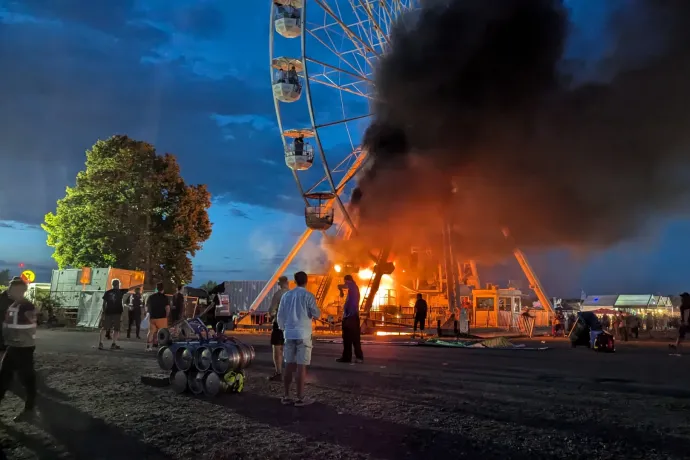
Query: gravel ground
<point x="404" y="402"/>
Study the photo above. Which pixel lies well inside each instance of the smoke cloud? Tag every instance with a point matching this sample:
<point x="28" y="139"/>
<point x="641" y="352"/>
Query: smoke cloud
<point x="481" y="123"/>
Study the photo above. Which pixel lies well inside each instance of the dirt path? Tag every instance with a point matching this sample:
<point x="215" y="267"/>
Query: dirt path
<point x="404" y="402"/>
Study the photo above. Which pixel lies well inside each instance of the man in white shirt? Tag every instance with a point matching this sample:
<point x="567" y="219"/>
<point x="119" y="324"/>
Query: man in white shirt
<point x="295" y="314"/>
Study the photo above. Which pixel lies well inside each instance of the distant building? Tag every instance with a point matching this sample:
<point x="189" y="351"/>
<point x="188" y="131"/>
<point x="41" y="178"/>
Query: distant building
<point x="629" y="302"/>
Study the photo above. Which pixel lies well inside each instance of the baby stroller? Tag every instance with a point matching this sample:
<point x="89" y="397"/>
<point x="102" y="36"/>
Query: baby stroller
<point x="586" y="329"/>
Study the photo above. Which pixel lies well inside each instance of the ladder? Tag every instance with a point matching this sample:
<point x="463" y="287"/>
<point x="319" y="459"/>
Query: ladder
<point x="324" y="286"/>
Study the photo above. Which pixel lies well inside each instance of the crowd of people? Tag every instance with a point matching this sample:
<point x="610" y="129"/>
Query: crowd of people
<point x="157" y="312"/>
<point x="292" y="312"/>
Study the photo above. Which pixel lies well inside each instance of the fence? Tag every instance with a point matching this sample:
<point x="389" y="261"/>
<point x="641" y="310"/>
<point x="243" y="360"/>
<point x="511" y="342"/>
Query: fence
<point x="80" y="307"/>
<point x="84" y="307"/>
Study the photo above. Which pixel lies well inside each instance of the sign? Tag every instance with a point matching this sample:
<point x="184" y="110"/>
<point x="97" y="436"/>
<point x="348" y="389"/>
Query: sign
<point x="85" y="275"/>
<point x="632" y="300"/>
<point x="28" y="276"/>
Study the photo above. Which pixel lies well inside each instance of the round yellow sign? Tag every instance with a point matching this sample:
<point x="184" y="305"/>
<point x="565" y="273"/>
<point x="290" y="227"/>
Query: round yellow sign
<point x="28" y="276"/>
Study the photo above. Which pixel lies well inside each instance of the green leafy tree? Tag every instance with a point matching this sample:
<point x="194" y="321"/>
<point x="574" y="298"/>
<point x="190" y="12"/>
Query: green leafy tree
<point x="130" y="209"/>
<point x="209" y="285"/>
<point x="5" y="277"/>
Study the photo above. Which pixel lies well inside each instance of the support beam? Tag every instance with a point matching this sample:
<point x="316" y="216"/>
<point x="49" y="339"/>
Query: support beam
<point x="375" y="282"/>
<point x="534" y="282"/>
<point x="279" y="271"/>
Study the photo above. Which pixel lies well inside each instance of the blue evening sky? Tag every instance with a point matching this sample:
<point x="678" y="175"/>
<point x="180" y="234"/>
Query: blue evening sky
<point x="191" y="77"/>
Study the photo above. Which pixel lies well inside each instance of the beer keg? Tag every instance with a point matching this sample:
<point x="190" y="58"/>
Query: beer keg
<point x="202" y="358"/>
<point x="164" y="337"/>
<point x="166" y="358"/>
<point x="184" y="357"/>
<point x="212" y="384"/>
<point x="225" y="357"/>
<point x="186" y="333"/>
<point x="178" y="381"/>
<point x="195" y="381"/>
<point x="245" y="355"/>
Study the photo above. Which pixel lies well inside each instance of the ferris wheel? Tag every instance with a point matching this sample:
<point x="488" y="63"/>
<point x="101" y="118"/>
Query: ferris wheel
<point x="322" y="58"/>
<point x="323" y="54"/>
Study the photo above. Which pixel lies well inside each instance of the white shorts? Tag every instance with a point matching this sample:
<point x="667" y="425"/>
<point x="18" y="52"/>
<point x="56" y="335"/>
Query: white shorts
<point x="298" y="351"/>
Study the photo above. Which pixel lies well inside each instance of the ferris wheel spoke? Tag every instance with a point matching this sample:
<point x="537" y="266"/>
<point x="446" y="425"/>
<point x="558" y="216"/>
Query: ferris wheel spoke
<point x="332" y="48"/>
<point x="338" y="69"/>
<point x="374" y="22"/>
<point x="323" y="80"/>
<point x="347" y="120"/>
<point x="345" y="167"/>
<point x="356" y="39"/>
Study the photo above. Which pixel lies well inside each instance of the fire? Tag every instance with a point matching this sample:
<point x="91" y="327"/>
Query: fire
<point x="385" y="333"/>
<point x="337" y="268"/>
<point x="386" y="292"/>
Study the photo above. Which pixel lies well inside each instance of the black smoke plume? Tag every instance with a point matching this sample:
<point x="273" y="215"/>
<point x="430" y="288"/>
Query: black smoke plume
<point x="481" y="122"/>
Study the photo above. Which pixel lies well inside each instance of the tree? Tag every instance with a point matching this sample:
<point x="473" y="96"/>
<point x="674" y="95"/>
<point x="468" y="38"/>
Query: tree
<point x="209" y="285"/>
<point x="5" y="277"/>
<point x="130" y="209"/>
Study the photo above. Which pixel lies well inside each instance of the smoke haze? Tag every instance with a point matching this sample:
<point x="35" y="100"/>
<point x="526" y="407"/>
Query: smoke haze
<point x="476" y="96"/>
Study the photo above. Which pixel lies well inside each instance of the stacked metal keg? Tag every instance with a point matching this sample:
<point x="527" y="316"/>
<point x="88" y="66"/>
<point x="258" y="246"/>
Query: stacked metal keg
<point x="210" y="364"/>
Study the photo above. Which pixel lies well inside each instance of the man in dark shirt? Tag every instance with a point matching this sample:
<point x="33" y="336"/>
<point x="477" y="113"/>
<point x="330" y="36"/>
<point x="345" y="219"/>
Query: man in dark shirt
<point x="684" y="326"/>
<point x="350" y="324"/>
<point x="158" y="309"/>
<point x="112" y="314"/>
<point x="177" y="310"/>
<point x="134" y="312"/>
<point x="420" y="310"/>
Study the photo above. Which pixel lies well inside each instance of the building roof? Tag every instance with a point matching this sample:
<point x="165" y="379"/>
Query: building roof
<point x="627" y="301"/>
<point x="600" y="301"/>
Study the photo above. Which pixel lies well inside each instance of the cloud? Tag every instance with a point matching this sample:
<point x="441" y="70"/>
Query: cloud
<point x="202" y="269"/>
<point x="80" y="74"/>
<point x="236" y="212"/>
<point x="16" y="225"/>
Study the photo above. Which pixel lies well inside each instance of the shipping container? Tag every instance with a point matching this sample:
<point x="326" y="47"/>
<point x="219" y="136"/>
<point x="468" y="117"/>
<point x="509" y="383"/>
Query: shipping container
<point x="66" y="285"/>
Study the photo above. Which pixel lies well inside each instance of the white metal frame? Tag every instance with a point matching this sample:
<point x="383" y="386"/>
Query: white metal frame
<point x="366" y="32"/>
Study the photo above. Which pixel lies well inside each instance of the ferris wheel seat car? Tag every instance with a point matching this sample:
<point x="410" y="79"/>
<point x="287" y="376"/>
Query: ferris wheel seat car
<point x="316" y="222"/>
<point x="288" y="27"/>
<point x="299" y="160"/>
<point x="287" y="92"/>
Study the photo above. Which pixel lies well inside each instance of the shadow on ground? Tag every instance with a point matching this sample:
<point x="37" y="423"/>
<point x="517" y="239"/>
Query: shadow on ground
<point x="80" y="434"/>
<point x="375" y="437"/>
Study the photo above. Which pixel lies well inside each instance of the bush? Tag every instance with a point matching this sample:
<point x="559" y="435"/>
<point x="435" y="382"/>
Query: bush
<point x="48" y="306"/>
